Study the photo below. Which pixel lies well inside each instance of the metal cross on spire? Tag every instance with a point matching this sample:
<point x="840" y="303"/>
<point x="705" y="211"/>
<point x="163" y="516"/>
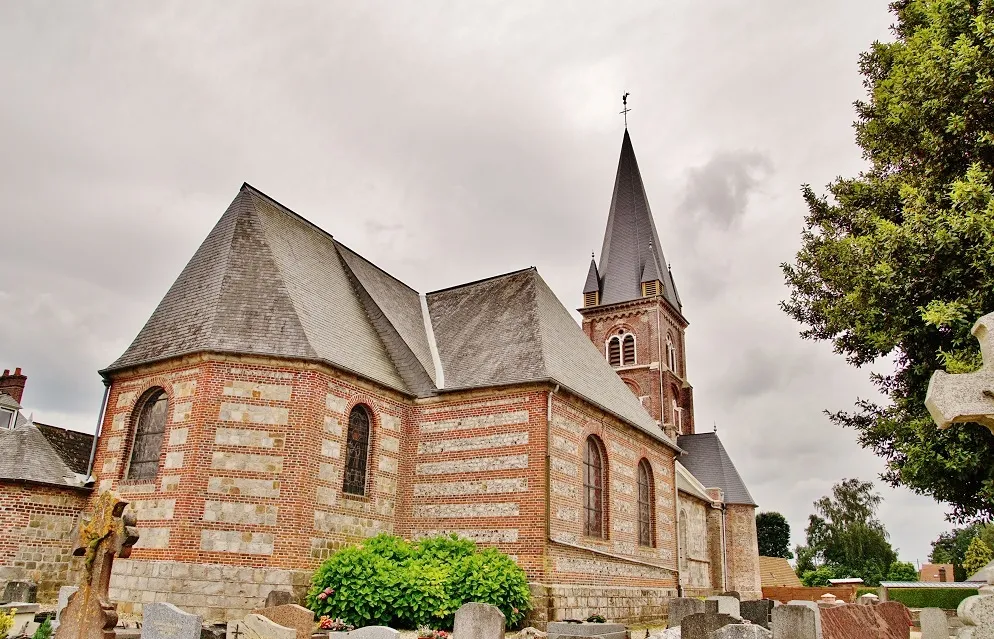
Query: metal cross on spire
<point x="624" y="102"/>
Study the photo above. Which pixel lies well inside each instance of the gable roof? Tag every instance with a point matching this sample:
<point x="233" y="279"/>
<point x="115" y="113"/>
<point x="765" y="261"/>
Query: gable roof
<point x="28" y="456"/>
<point x="776" y="572"/>
<point x="6" y="401"/>
<point x="708" y="461"/>
<point x="631" y="249"/>
<point x="72" y="446"/>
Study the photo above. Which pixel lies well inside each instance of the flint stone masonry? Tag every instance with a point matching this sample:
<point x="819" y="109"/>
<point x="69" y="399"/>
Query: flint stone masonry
<point x="680" y="607"/>
<point x="269" y="488"/>
<point x="272" y="392"/>
<point x="472" y="443"/>
<point x="934" y="623"/>
<point x="482" y="487"/>
<point x="563" y="489"/>
<point x="234" y="541"/>
<point x="592" y="567"/>
<point x="477" y="421"/>
<point x="507" y="536"/>
<point x="251" y="414"/>
<point x="241" y="513"/>
<point x="475" y="465"/>
<point x="246" y="437"/>
<point x="478" y="621"/>
<point x="567" y="513"/>
<point x="166" y="621"/>
<point x="154" y="509"/>
<point x="564" y="467"/>
<point x="348" y="525"/>
<point x="455" y="511"/>
<point x="619" y="468"/>
<point x="242" y="461"/>
<point x="562" y="444"/>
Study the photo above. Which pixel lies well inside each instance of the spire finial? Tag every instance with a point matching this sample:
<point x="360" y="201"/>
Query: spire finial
<point x="715" y="426"/>
<point x="591" y="255"/>
<point x="624" y="103"/>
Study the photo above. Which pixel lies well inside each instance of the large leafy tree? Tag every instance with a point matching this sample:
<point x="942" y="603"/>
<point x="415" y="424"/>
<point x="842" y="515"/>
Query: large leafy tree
<point x="773" y="533"/>
<point x="845" y="538"/>
<point x="950" y="547"/>
<point x="978" y="555"/>
<point x="899" y="261"/>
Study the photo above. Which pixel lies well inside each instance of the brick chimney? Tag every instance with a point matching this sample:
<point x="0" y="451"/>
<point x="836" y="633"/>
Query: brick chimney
<point x="13" y="385"/>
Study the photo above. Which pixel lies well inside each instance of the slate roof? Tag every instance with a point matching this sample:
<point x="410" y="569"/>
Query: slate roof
<point x="266" y="281"/>
<point x="6" y="401"/>
<point x="28" y="456"/>
<point x="631" y="245"/>
<point x="72" y="446"/>
<point x="776" y="571"/>
<point x="708" y="461"/>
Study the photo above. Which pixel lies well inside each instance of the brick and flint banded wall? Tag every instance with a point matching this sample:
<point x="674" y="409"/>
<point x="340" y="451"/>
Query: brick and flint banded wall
<point x="249" y="488"/>
<point x="36" y="534"/>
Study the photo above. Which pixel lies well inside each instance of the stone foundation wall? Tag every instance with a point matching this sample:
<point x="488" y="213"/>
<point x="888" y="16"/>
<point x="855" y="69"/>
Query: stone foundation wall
<point x="217" y="592"/>
<point x="556" y="602"/>
<point x="36" y="535"/>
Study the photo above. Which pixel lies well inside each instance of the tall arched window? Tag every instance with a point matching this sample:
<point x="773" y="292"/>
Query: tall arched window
<point x="670" y="352"/>
<point x="614" y="351"/>
<point x="593" y="489"/>
<point x="646" y="511"/>
<point x="150" y="427"/>
<point x="357" y="452"/>
<point x="621" y="349"/>
<point x="628" y="350"/>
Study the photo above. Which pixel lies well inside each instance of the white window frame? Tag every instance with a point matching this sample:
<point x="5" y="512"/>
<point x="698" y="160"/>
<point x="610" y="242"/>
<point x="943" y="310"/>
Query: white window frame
<point x="620" y="336"/>
<point x="635" y="349"/>
<point x="670" y="353"/>
<point x="10" y="416"/>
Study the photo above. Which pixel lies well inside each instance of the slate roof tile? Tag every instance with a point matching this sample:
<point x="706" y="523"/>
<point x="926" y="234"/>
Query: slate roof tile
<point x="28" y="456"/>
<point x="708" y="461"/>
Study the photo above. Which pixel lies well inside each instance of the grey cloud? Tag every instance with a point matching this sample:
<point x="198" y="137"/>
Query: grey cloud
<point x="718" y="192"/>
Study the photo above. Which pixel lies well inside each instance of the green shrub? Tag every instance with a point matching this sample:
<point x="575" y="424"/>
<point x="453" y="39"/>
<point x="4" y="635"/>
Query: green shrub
<point x="6" y="622"/>
<point x="388" y="581"/>
<point x="44" y="631"/>
<point x="945" y="598"/>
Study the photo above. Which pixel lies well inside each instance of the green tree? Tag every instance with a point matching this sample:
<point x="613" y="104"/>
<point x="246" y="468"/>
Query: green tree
<point x="773" y="533"/>
<point x="845" y="536"/>
<point x="902" y="571"/>
<point x="950" y="547"/>
<point x="978" y="555"/>
<point x="899" y="261"/>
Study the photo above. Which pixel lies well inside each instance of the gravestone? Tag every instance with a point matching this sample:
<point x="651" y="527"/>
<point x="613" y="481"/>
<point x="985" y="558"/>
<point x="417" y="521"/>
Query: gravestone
<point x="166" y="621"/>
<point x="213" y="631"/>
<point x="702" y="625"/>
<point x="795" y="621"/>
<point x="382" y="632"/>
<point x="732" y="593"/>
<point x="64" y="593"/>
<point x="895" y="619"/>
<point x="757" y="611"/>
<point x="479" y="621"/>
<point x="562" y="629"/>
<point x="278" y="598"/>
<point x="291" y="616"/>
<point x="722" y="605"/>
<point x="259" y="627"/>
<point x="963" y="397"/>
<point x="742" y="631"/>
<point x="977" y="613"/>
<point x="680" y="607"/>
<point x="934" y="623"/>
<point x="24" y="617"/>
<point x="109" y="533"/>
<point x="20" y="591"/>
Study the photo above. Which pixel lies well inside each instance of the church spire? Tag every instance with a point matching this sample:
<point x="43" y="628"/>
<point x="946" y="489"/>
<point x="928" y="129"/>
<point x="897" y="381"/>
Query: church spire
<point x="632" y="251"/>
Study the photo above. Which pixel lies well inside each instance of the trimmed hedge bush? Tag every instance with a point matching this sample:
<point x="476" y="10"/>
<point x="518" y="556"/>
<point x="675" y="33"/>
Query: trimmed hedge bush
<point x="389" y="581"/>
<point x="945" y="598"/>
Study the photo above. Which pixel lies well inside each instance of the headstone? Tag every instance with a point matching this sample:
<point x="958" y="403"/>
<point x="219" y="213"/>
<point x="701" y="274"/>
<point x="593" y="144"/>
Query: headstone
<point x="64" y="593"/>
<point x="742" y="631"/>
<point x="795" y="621"/>
<point x="757" y="611"/>
<point x="213" y="631"/>
<point x="895" y="619"/>
<point x="702" y="625"/>
<point x="680" y="607"/>
<point x="166" y="621"/>
<point x="934" y="623"/>
<point x="732" y="593"/>
<point x="20" y="591"/>
<point x="278" y="598"/>
<point x="24" y="616"/>
<point x="108" y="534"/>
<point x="562" y="629"/>
<point x="963" y="397"/>
<point x="869" y="599"/>
<point x="977" y="613"/>
<point x="722" y="605"/>
<point x="380" y="632"/>
<point x="479" y="621"/>
<point x="291" y="616"/>
<point x="260" y="627"/>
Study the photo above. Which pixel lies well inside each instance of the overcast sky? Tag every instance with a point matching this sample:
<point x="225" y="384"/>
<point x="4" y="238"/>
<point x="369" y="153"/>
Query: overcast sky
<point x="446" y="142"/>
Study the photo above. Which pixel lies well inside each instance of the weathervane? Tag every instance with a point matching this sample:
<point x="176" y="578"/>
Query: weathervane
<point x="624" y="102"/>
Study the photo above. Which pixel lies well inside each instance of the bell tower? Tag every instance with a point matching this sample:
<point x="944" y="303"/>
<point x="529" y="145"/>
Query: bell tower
<point x="631" y="308"/>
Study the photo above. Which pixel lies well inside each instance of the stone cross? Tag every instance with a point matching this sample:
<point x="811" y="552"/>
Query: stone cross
<point x="966" y="397"/>
<point x="109" y="533"/>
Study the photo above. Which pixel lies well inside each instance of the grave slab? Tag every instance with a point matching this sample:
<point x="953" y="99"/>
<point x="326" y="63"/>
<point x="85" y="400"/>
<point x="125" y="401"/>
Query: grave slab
<point x="797" y="620"/>
<point x="20" y="591"/>
<point x="479" y="621"/>
<point x="166" y="621"/>
<point x="934" y="623"/>
<point x="377" y="632"/>
<point x="722" y="605"/>
<point x="742" y="631"/>
<point x="702" y="625"/>
<point x="264" y="628"/>
<point x="680" y="607"/>
<point x="757" y="611"/>
<point x="291" y="616"/>
<point x="562" y="629"/>
<point x="732" y="593"/>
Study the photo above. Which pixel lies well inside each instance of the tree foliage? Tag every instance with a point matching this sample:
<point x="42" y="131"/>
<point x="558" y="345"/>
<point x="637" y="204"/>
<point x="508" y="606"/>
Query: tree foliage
<point x="773" y="533"/>
<point x="902" y="571"/>
<point x="978" y="555"/>
<point x="899" y="261"/>
<point x="950" y="547"/>
<point x="844" y="537"/>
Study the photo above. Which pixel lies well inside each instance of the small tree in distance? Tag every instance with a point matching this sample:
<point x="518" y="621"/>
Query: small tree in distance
<point x="773" y="534"/>
<point x="978" y="555"/>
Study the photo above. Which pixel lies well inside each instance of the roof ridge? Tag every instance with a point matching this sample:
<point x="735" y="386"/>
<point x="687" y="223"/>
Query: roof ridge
<point x="481" y="281"/>
<point x="374" y="265"/>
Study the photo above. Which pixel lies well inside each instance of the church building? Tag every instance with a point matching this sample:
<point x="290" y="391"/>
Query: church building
<point x="287" y="397"/>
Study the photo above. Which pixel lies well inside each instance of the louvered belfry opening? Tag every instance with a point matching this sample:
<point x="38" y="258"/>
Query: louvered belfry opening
<point x="149" y="431"/>
<point x="628" y="350"/>
<point x="650" y="289"/>
<point x="356" y="452"/>
<point x="614" y="351"/>
<point x="590" y="299"/>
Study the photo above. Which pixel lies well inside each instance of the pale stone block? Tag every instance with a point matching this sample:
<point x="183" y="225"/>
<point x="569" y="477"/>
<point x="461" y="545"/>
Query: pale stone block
<point x="114" y="444"/>
<point x="153" y="509"/>
<point x="456" y="511"/>
<point x="182" y="411"/>
<point x="473" y="443"/>
<point x="246" y="437"/>
<point x="335" y="403"/>
<point x="567" y="513"/>
<point x="349" y="525"/>
<point x="157" y="538"/>
<point x="177" y="436"/>
<point x="475" y="465"/>
<point x="246" y="487"/>
<point x="236" y="542"/>
<point x="184" y="388"/>
<point x="251" y="414"/>
<point x="331" y="449"/>
<point x="327" y="496"/>
<point x="174" y="459"/>
<point x="110" y="466"/>
<point x="390" y="444"/>
<point x="242" y="461"/>
<point x="328" y="473"/>
<point x="241" y="513"/>
<point x="390" y="422"/>
<point x="494" y="536"/>
<point x="388" y="465"/>
<point x="170" y="483"/>
<point x="333" y="426"/>
<point x="126" y="399"/>
<point x="483" y="487"/>
<point x="476" y="421"/>
<point x="386" y="484"/>
<point x="120" y="422"/>
<point x="255" y="390"/>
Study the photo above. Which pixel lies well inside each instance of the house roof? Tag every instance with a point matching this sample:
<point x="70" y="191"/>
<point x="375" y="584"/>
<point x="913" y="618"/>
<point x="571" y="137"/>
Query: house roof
<point x="708" y="461"/>
<point x="266" y="281"/>
<point x="6" y="401"/>
<point x="28" y="456"/>
<point x="72" y="446"/>
<point x="631" y="249"/>
<point x="776" y="571"/>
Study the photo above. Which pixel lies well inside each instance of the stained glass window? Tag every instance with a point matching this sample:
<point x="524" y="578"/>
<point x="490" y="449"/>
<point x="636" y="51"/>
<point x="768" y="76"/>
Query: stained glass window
<point x="149" y="431"/>
<point x="357" y="452"/>
<point x="645" y="504"/>
<point x="593" y="485"/>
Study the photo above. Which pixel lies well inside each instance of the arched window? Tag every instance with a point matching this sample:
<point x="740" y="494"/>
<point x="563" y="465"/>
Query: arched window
<point x="646" y="511"/>
<point x="670" y="352"/>
<point x="593" y="489"/>
<point x="614" y="351"/>
<point x="357" y="452"/>
<point x="628" y="350"/>
<point x="150" y="427"/>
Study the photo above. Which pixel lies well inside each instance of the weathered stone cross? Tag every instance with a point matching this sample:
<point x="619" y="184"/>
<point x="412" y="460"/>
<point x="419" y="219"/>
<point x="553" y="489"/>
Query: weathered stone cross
<point x="109" y="533"/>
<point x="966" y="397"/>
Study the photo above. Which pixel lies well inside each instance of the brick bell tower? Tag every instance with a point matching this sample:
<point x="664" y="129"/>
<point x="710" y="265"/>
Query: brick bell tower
<point x="631" y="308"/>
